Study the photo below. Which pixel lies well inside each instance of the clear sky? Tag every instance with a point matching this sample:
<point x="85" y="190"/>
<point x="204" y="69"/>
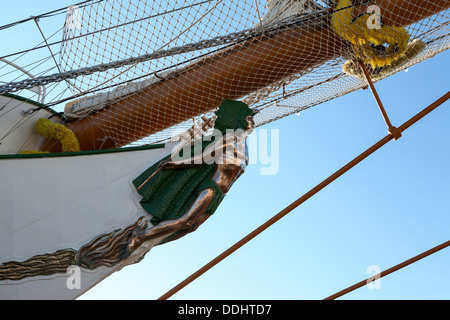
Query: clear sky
<point x="391" y="207"/>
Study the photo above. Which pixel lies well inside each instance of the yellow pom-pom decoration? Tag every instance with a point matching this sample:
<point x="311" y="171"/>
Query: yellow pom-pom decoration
<point x="32" y="152"/>
<point x="352" y="67"/>
<point x="56" y="131"/>
<point x="377" y="47"/>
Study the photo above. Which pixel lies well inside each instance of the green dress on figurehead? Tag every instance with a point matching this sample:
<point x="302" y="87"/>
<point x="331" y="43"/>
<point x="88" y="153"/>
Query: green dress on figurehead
<point x="171" y="191"/>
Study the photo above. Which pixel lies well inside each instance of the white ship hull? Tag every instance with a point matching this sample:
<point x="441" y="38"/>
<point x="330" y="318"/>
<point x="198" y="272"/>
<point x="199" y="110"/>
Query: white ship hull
<point x="64" y="201"/>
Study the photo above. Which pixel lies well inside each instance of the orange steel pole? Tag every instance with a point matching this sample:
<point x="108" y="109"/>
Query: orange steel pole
<point x="204" y="85"/>
<point x="391" y="129"/>
<point x="304" y="198"/>
<point x="389" y="271"/>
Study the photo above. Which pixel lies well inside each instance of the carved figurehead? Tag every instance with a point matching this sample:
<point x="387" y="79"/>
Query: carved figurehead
<point x="182" y="191"/>
<point x="179" y="192"/>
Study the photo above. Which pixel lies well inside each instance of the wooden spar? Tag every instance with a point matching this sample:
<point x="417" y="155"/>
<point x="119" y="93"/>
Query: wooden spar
<point x="401" y="13"/>
<point x="206" y="85"/>
<point x="229" y="75"/>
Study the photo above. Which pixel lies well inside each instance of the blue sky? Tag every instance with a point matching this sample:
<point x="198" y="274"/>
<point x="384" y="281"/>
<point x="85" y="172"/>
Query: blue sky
<point x="391" y="207"/>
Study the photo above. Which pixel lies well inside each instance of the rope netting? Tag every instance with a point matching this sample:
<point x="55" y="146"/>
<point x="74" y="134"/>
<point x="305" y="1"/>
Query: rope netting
<point x="142" y="72"/>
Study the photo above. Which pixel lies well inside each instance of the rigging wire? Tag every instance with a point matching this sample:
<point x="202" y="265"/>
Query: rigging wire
<point x="105" y="29"/>
<point x="304" y="198"/>
<point x="261" y="106"/>
<point x="49" y="14"/>
<point x="234" y="38"/>
<point x="389" y="271"/>
<point x="238" y="37"/>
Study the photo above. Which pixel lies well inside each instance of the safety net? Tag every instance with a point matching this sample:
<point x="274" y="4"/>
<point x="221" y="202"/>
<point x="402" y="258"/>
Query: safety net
<point x="133" y="72"/>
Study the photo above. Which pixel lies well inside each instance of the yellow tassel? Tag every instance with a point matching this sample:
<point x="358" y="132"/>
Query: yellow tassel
<point x="56" y="131"/>
<point x="32" y="152"/>
<point x="415" y="47"/>
<point x="365" y="40"/>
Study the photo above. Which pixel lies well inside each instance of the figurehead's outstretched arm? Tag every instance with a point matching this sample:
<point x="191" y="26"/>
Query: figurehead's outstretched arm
<point x="180" y="197"/>
<point x="189" y="219"/>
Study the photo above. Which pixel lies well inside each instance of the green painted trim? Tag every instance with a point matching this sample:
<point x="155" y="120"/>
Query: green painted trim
<point x="80" y="153"/>
<point x="35" y="103"/>
<point x="67" y="154"/>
